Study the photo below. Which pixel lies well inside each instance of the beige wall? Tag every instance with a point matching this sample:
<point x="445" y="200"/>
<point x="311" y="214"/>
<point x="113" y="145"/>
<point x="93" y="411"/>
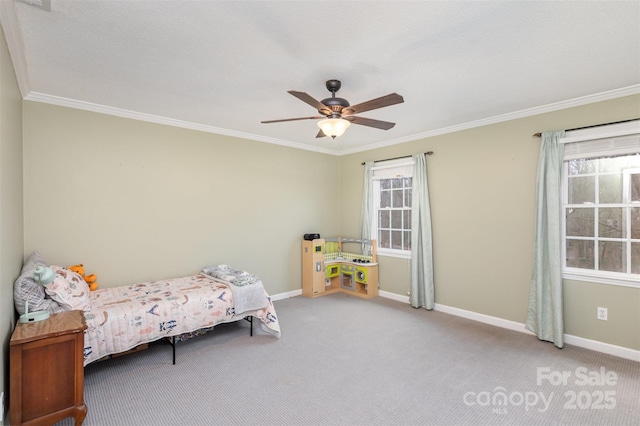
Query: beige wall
<point x="11" y="234"/>
<point x="136" y="201"/>
<point x="482" y="193"/>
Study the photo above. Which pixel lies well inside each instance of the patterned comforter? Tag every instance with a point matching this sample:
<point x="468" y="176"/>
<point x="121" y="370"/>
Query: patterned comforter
<point x="124" y="317"/>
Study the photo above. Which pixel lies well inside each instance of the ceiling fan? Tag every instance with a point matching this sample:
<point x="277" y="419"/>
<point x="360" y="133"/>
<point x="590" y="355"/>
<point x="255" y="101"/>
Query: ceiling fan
<point x="337" y="114"/>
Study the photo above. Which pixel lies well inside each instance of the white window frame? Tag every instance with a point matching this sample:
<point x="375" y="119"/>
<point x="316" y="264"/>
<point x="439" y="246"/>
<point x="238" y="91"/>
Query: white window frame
<point x="597" y="143"/>
<point x="390" y="169"/>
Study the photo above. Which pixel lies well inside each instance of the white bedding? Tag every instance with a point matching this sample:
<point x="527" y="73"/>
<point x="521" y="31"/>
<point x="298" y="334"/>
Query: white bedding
<point x="247" y="289"/>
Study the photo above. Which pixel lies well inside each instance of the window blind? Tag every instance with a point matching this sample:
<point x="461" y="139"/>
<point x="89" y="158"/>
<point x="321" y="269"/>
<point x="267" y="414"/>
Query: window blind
<point x="603" y="141"/>
<point x="390" y="169"/>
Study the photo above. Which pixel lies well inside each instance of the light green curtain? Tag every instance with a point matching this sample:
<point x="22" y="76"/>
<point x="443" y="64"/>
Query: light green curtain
<point x="545" y="314"/>
<point x="367" y="207"/>
<point x="422" y="294"/>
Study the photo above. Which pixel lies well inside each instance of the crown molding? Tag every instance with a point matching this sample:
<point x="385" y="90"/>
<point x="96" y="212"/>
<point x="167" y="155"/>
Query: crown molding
<point x="88" y="106"/>
<point x="103" y="109"/>
<point x="11" y="28"/>
<point x="580" y="101"/>
<point x="134" y="115"/>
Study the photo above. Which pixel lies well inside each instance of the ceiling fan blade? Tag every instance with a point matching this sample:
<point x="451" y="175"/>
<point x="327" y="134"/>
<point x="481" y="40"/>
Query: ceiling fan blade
<point x="320" y="134"/>
<point x="381" y="102"/>
<point x="292" y="119"/>
<point x="378" y="124"/>
<point x="311" y="101"/>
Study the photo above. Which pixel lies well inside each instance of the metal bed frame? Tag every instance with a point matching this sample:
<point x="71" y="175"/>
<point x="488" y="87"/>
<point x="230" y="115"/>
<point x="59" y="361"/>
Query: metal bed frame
<point x="172" y="339"/>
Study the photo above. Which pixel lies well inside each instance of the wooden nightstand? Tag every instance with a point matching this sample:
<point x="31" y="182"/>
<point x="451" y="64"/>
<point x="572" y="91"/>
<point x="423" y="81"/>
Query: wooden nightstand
<point x="46" y="370"/>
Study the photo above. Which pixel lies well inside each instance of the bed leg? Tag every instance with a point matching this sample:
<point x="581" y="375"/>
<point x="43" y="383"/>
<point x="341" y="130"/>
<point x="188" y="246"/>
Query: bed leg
<point x="173" y="343"/>
<point x="250" y="319"/>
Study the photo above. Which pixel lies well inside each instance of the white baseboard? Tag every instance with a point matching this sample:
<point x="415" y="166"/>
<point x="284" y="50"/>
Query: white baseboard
<point x="393" y="296"/>
<point x="593" y="345"/>
<point x="606" y="348"/>
<point x="286" y="295"/>
<point x="487" y="319"/>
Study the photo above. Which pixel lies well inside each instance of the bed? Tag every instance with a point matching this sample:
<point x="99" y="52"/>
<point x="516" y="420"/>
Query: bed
<point x="122" y="318"/>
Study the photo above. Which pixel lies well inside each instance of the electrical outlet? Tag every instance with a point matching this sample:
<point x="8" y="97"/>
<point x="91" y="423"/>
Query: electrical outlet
<point x="602" y="314"/>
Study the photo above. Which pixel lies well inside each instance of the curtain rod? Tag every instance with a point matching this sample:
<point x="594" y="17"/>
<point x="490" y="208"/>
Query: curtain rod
<point x="537" y="135"/>
<point x="397" y="158"/>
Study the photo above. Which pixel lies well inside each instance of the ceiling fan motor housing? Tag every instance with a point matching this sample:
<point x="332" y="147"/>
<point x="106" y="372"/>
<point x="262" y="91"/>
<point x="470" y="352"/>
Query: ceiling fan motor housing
<point x="336" y="105"/>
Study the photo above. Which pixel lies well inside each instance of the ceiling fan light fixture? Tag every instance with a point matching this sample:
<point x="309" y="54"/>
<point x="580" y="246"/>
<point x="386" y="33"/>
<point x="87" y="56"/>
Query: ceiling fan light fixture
<point x="334" y="127"/>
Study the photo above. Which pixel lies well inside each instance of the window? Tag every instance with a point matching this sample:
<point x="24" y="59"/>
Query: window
<point x="601" y="202"/>
<point x="391" y="221"/>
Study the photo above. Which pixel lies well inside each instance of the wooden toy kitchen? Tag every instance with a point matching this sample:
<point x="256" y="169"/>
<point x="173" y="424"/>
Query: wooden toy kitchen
<point x="328" y="268"/>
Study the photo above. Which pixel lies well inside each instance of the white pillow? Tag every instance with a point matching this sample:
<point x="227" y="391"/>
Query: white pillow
<point x="69" y="289"/>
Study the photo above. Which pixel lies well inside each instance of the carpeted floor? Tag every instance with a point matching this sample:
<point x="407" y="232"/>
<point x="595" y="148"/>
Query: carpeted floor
<point x="347" y="361"/>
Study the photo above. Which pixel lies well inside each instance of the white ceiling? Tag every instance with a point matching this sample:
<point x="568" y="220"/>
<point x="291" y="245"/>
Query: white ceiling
<point x="223" y="66"/>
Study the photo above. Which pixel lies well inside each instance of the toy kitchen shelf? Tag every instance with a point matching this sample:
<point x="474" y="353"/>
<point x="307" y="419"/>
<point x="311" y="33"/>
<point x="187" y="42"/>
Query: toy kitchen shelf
<point x="327" y="268"/>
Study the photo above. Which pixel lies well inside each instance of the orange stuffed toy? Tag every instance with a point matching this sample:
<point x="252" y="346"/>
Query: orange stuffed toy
<point x="89" y="279"/>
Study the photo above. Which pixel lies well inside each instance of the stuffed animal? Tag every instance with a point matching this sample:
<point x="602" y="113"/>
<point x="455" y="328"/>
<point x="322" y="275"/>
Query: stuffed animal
<point x="89" y="279"/>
